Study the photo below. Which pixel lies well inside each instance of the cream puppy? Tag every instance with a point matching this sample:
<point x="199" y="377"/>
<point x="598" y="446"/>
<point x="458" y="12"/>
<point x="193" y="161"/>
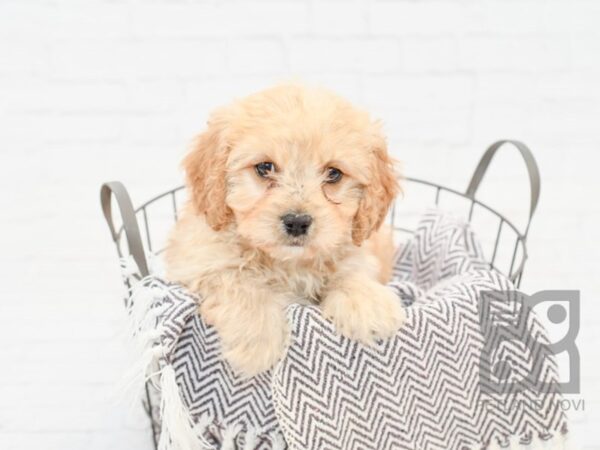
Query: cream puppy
<point x="288" y="189"/>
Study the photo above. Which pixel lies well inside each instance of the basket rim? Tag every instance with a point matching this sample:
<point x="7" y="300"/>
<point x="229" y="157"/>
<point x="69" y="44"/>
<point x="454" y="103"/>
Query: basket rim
<point x="521" y="237"/>
<point x="440" y="187"/>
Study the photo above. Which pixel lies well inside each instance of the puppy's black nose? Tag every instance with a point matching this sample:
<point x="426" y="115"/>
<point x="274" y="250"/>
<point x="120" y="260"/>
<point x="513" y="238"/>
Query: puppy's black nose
<point x="296" y="224"/>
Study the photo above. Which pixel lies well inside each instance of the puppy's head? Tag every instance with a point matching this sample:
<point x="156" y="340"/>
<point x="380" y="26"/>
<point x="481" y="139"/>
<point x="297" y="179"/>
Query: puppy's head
<point x="299" y="172"/>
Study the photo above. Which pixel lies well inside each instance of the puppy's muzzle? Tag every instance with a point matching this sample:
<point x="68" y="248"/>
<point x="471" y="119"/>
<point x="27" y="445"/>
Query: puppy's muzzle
<point x="296" y="224"/>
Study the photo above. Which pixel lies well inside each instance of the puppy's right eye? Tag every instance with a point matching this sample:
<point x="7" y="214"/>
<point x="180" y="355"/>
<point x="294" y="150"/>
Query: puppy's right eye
<point x="265" y="169"/>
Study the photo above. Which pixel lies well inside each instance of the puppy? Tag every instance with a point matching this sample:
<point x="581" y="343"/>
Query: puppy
<point x="288" y="189"/>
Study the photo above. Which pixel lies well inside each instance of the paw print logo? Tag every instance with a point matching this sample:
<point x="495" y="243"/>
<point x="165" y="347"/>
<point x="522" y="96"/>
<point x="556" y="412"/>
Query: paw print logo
<point x="518" y="353"/>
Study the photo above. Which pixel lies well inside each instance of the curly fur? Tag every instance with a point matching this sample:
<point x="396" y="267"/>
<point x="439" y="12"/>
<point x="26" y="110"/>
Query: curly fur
<point x="230" y="246"/>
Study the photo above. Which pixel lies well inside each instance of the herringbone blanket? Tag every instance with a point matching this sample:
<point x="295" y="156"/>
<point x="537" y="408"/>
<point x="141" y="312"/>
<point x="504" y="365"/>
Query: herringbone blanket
<point x="427" y="388"/>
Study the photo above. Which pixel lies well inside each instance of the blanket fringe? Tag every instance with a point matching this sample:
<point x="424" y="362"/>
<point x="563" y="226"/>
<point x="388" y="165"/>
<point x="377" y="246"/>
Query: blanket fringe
<point x="142" y="306"/>
<point x="278" y="442"/>
<point x="201" y="427"/>
<point x="250" y="439"/>
<point x="229" y="437"/>
<point x="177" y="431"/>
<point x="143" y="316"/>
<point x="559" y="441"/>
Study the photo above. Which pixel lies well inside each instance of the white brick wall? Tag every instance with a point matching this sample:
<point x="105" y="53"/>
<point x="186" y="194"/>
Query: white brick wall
<point x="115" y="89"/>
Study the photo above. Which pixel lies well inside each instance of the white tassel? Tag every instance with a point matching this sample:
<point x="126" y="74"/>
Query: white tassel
<point x="201" y="427"/>
<point x="152" y="335"/>
<point x="139" y="373"/>
<point x="572" y="441"/>
<point x="177" y="430"/>
<point x="228" y="438"/>
<point x="557" y="442"/>
<point x="142" y="326"/>
<point x="250" y="439"/>
<point x="141" y="303"/>
<point x="494" y="445"/>
<point x="537" y="443"/>
<point x="278" y="441"/>
<point x="514" y="443"/>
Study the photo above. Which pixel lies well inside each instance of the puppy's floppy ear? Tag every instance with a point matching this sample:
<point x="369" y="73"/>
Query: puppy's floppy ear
<point x="205" y="168"/>
<point x="378" y="194"/>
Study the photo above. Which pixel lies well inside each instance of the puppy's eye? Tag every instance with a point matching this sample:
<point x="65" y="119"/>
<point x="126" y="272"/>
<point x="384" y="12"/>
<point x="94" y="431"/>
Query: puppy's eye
<point x="264" y="169"/>
<point x="333" y="175"/>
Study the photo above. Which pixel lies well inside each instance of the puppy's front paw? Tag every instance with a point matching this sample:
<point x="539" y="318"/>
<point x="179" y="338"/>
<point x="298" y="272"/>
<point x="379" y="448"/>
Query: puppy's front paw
<point x="261" y="349"/>
<point x="364" y="311"/>
<point x="252" y="339"/>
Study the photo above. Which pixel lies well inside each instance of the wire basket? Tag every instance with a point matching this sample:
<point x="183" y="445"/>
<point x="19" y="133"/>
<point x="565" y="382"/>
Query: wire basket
<point x="141" y="232"/>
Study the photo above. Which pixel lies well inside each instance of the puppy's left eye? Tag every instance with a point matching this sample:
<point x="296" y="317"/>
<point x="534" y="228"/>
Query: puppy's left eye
<point x="333" y="175"/>
<point x="264" y="169"/>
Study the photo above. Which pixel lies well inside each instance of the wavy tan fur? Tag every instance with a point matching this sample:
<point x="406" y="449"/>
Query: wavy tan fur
<point x="230" y="246"/>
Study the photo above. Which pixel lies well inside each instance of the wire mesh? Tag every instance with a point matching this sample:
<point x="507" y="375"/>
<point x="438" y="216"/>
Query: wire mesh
<point x="501" y="236"/>
<point x="503" y="244"/>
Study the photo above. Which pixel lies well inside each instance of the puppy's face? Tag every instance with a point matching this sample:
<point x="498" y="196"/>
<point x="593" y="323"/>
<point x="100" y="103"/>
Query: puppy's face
<point x="299" y="172"/>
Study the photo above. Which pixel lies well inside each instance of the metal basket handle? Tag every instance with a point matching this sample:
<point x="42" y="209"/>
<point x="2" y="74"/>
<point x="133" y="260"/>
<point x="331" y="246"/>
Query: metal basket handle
<point x="130" y="224"/>
<point x="532" y="170"/>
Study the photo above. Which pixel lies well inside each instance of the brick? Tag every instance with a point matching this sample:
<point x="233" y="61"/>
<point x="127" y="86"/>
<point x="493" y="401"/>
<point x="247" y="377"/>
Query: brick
<point x="16" y="132"/>
<point x="363" y="55"/>
<point x="86" y="97"/>
<point x="400" y="18"/>
<point x="23" y="58"/>
<point x="499" y="17"/>
<point x="90" y="60"/>
<point x="184" y="59"/>
<point x="493" y="122"/>
<point x="159" y="19"/>
<point x="535" y="89"/>
<point x="332" y="19"/>
<point x="408" y="126"/>
<point x="25" y="20"/>
<point x="346" y="84"/>
<point x="568" y="122"/>
<point x="90" y="20"/>
<point x="255" y="56"/>
<point x="226" y="19"/>
<point x="161" y="129"/>
<point x="150" y="60"/>
<point x="154" y="96"/>
<point x="419" y="92"/>
<point x="513" y="54"/>
<point x="264" y="18"/>
<point x="583" y="16"/>
<point x="63" y="20"/>
<point x="507" y="89"/>
<point x="585" y="52"/>
<point x="203" y="96"/>
<point x="24" y="94"/>
<point x="429" y="54"/>
<point x="78" y="127"/>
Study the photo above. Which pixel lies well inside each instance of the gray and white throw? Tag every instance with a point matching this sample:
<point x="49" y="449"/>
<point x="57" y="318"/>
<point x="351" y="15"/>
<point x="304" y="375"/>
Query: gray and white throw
<point x="429" y="387"/>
